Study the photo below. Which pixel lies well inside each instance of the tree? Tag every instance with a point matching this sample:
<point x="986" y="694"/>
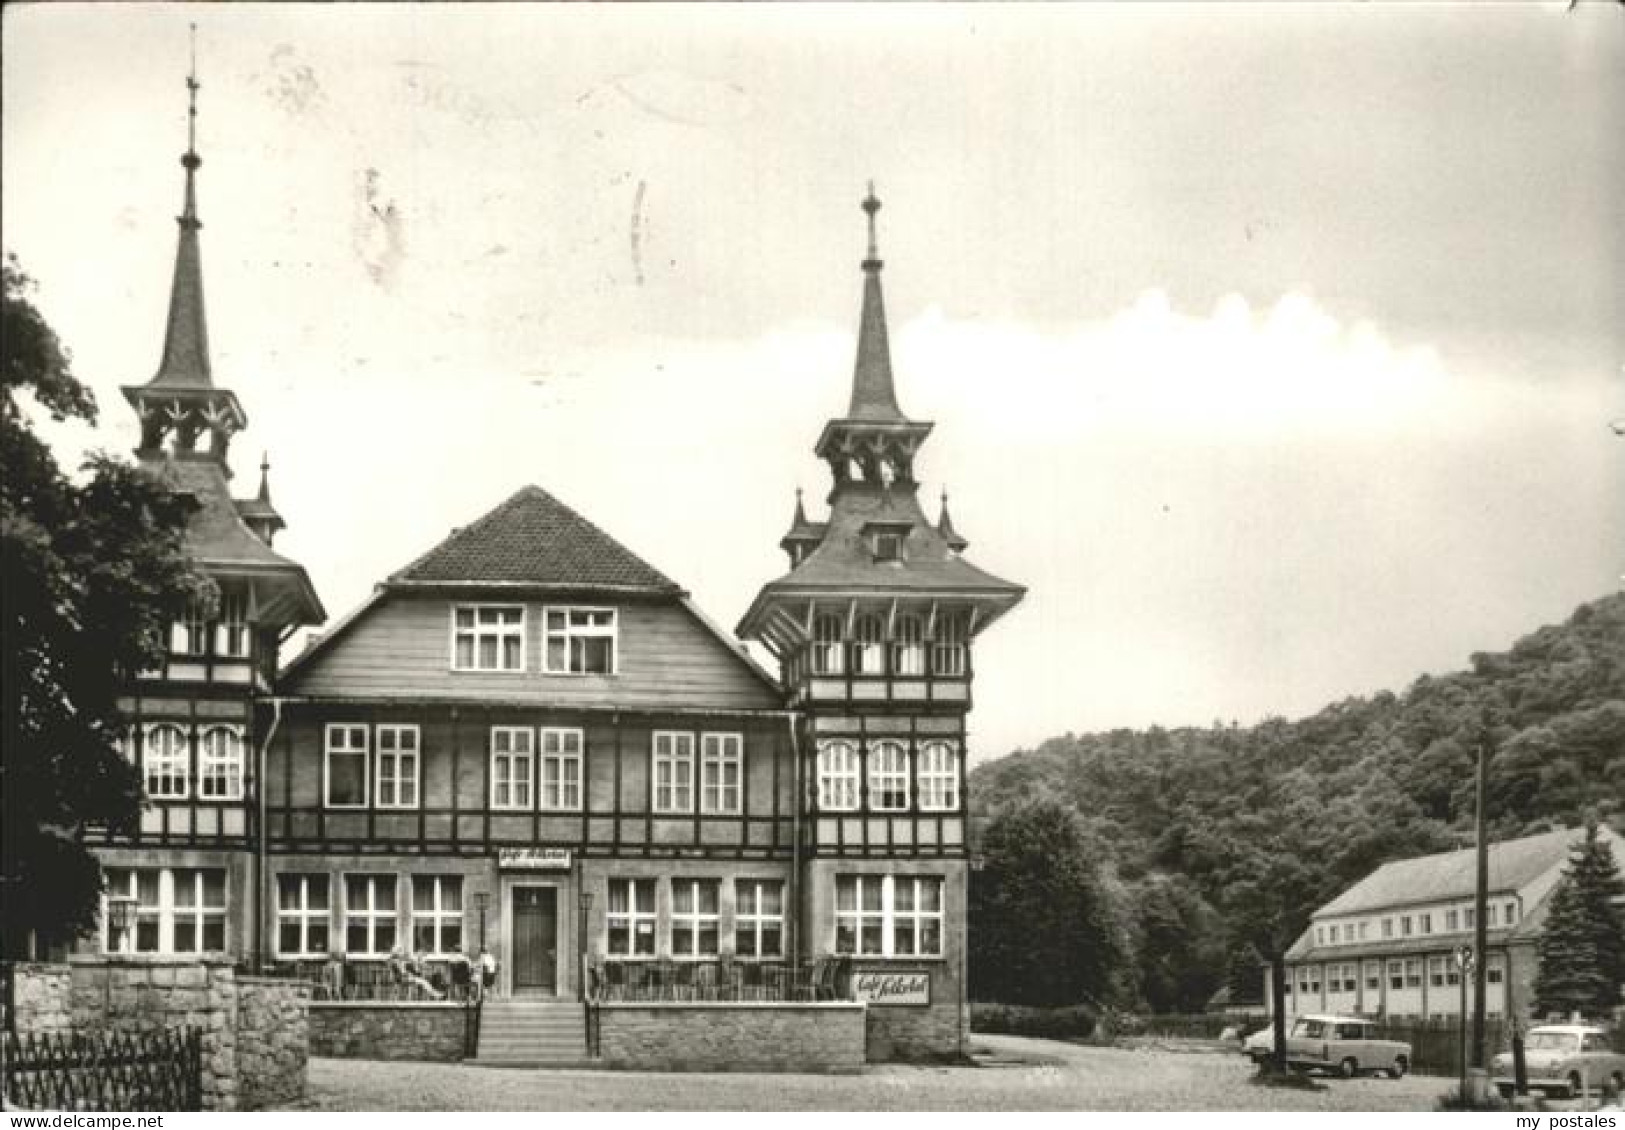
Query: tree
<point x="93" y="572"/>
<point x="1582" y="949"/>
<point x="1042" y="930"/>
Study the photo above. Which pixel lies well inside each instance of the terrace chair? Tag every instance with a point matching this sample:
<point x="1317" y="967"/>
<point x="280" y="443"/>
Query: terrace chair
<point x="705" y="983"/>
<point x="665" y="974"/>
<point x="637" y="980"/>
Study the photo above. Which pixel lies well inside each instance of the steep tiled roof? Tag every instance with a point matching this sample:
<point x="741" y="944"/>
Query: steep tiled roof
<point x="1451" y="874"/>
<point x="534" y="539"/>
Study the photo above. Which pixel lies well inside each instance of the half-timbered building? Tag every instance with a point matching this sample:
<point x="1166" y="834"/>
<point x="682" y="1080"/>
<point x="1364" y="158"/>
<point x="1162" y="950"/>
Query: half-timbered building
<point x="529" y="741"/>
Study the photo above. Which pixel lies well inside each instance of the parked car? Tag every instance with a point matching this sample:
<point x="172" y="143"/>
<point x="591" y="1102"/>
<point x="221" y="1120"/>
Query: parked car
<point x="1347" y="1045"/>
<point x="1563" y="1058"/>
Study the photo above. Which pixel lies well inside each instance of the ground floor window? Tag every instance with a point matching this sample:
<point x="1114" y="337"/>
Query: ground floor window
<point x="888" y="915"/>
<point x="695" y="917"/>
<point x="369" y="915"/>
<point x="437" y="914"/>
<point x="758" y="918"/>
<point x="630" y="918"/>
<point x="178" y="910"/>
<point x="302" y="908"/>
<point x="1396" y="975"/>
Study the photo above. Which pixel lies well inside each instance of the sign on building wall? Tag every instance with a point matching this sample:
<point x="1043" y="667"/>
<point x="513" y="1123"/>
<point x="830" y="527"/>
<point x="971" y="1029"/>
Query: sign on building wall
<point x="534" y="859"/>
<point x="892" y="988"/>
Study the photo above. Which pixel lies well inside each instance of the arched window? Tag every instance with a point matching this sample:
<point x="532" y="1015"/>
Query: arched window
<point x="828" y="654"/>
<point x="869" y="656"/>
<point x="837" y="776"/>
<point x="948" y="651"/>
<point x="168" y="762"/>
<point x="888" y="777"/>
<point x="220" y="764"/>
<point x="939" y="777"/>
<point x="908" y="650"/>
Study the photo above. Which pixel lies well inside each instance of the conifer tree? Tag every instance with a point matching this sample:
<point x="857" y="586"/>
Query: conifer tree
<point x="1582" y="949"/>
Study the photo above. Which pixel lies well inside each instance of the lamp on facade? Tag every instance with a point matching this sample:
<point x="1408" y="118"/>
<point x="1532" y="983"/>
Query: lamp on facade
<point x="482" y="899"/>
<point x="584" y="909"/>
<point x="1465" y="962"/>
<point x="121" y="912"/>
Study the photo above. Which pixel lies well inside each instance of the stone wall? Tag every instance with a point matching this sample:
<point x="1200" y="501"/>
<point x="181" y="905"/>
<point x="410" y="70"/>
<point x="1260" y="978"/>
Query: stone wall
<point x="273" y="1044"/>
<point x="431" y="1030"/>
<point x="39" y="997"/>
<point x="732" y="1036"/>
<point x="254" y="1028"/>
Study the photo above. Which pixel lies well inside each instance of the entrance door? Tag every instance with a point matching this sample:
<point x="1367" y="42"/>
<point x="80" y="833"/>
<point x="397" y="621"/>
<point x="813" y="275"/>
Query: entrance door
<point x="535" y="940"/>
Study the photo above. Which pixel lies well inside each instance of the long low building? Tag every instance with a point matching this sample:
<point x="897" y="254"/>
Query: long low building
<point x="1387" y="946"/>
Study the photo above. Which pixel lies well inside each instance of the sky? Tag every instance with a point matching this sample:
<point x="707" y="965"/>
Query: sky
<point x="1273" y="348"/>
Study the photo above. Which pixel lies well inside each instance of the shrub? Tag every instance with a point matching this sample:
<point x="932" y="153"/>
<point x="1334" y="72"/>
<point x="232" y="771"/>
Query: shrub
<point x="1070" y="1022"/>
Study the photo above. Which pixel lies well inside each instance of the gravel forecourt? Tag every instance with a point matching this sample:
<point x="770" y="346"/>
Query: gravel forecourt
<point x="1032" y="1075"/>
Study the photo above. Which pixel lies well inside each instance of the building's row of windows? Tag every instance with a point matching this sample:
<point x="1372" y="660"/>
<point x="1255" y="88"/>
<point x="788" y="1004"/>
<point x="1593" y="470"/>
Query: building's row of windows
<point x="575" y="641"/>
<point x="177" y="910"/>
<point x="371" y="914"/>
<point x="534" y="769"/>
<point x="178" y="762"/>
<point x="228" y="630"/>
<point x="906" y="650"/>
<point x="1450" y="920"/>
<point x="892" y="783"/>
<point x="695" y="922"/>
<point x="1402" y="973"/>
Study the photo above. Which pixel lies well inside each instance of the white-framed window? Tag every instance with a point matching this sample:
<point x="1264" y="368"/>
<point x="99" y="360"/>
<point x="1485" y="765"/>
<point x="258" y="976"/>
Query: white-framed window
<point x="178" y="910"/>
<point x="369" y="915"/>
<point x="220" y="763"/>
<point x="579" y="641"/>
<point x="674" y="771"/>
<point x="695" y="917"/>
<point x="1373" y="975"/>
<point x="437" y="914"/>
<point x="190" y="635"/>
<point x="939" y="777"/>
<point x="513" y="767"/>
<point x="231" y="634"/>
<point x="1413" y="973"/>
<point x="888" y="915"/>
<point x="908" y="646"/>
<point x="837" y="776"/>
<point x="1452" y="920"/>
<point x="1437" y="972"/>
<point x="888" y="777"/>
<point x="721" y="768"/>
<point x="828" y="648"/>
<point x="147" y="933"/>
<point x="629" y="920"/>
<point x="758" y="918"/>
<point x="1510" y="913"/>
<point x="200" y="910"/>
<point x="167" y="761"/>
<point x="869" y="646"/>
<point x="398" y="762"/>
<point x="302" y="908"/>
<point x="948" y="649"/>
<point x="1396" y="975"/>
<point x="1495" y="970"/>
<point x="561" y="770"/>
<point x="346" y="765"/>
<point x="488" y="637"/>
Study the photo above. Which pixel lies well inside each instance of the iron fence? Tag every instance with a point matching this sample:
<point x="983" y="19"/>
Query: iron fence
<point x="658" y="981"/>
<point x="103" y="1071"/>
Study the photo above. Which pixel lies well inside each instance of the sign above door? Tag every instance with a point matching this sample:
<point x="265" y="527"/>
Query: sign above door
<point x="533" y="859"/>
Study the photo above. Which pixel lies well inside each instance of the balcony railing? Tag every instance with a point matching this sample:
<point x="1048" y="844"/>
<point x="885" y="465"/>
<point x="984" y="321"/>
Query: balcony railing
<point x="826" y="979"/>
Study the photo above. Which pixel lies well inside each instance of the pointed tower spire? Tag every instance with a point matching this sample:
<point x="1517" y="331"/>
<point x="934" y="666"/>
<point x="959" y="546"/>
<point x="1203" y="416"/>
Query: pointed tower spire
<point x="873" y="397"/>
<point x="945" y="527"/>
<point x="185" y="362"/>
<point x="180" y="399"/>
<point x="265" y="480"/>
<point x="259" y="512"/>
<point x="803" y="536"/>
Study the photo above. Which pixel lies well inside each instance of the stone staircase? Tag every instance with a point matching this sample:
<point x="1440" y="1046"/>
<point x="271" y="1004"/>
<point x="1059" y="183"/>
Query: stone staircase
<point x="532" y="1033"/>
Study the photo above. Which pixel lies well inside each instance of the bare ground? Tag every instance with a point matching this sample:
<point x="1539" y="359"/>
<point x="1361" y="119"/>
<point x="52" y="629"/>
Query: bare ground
<point x="1032" y="1075"/>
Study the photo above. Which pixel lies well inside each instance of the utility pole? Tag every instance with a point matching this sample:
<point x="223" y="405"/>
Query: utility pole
<point x="1481" y="902"/>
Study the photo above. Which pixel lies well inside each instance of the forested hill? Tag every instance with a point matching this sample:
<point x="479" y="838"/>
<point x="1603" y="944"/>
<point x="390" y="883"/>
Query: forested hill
<point x="1384" y="777"/>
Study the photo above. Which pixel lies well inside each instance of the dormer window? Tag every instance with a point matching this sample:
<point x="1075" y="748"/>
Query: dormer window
<point x="887" y="541"/>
